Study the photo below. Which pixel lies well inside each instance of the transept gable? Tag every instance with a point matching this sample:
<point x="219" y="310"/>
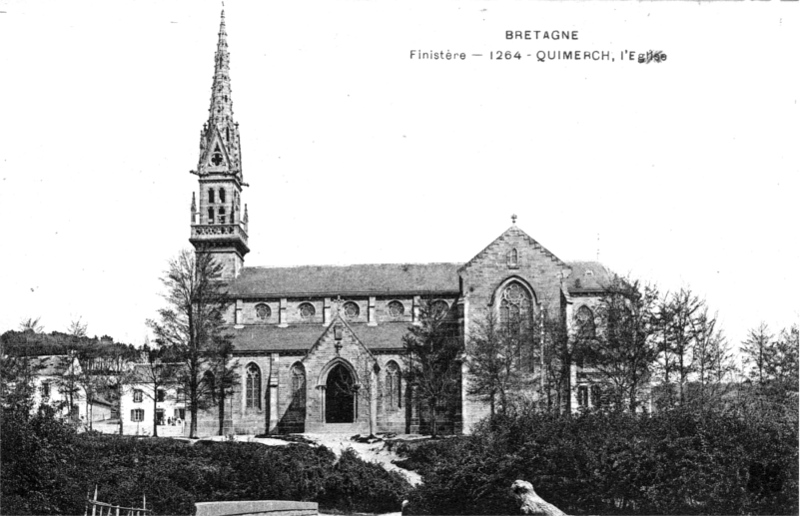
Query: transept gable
<point x="512" y="248"/>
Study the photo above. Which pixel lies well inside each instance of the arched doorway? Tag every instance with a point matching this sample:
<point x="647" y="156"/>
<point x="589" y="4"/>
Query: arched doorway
<point x="340" y="396"/>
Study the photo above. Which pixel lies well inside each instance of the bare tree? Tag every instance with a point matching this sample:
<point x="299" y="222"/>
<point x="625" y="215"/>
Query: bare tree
<point x="225" y="376"/>
<point x="31" y="324"/>
<point x="193" y="321"/>
<point x="159" y="373"/>
<point x="755" y="351"/>
<point x="625" y="349"/>
<point x="712" y="357"/>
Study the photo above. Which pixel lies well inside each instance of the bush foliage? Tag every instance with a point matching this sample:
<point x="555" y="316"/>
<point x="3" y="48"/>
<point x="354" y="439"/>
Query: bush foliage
<point x="48" y="468"/>
<point x="673" y="463"/>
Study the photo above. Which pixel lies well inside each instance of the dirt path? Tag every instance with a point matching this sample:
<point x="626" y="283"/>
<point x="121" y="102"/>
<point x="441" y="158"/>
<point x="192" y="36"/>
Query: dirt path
<point x="375" y="452"/>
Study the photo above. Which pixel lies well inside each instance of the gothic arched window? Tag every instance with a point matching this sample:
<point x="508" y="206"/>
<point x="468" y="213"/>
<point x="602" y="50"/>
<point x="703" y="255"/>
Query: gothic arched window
<point x="221" y="211"/>
<point x="298" y="385"/>
<point x="585" y="322"/>
<point x="515" y="308"/>
<point x="512" y="258"/>
<point x="211" y="215"/>
<point x="211" y="195"/>
<point x="222" y="195"/>
<point x="392" y="387"/>
<point x="253" y="387"/>
<point x="209" y="386"/>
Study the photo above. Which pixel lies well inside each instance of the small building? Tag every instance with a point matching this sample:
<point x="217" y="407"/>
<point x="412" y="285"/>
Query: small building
<point x="140" y="403"/>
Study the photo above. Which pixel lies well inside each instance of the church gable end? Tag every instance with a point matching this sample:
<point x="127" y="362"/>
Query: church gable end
<point x="513" y="255"/>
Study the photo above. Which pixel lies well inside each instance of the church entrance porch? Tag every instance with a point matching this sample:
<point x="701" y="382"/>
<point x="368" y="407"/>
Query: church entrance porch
<point x="340" y="397"/>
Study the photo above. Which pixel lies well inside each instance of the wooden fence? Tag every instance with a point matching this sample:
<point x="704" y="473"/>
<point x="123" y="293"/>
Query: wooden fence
<point x="100" y="508"/>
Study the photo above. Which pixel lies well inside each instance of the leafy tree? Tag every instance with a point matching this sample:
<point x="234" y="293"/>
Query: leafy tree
<point x="433" y="347"/>
<point x="17" y="370"/>
<point x="192" y="323"/>
<point x="625" y="349"/>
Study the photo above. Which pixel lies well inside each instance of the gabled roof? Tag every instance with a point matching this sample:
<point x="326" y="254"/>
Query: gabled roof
<point x="588" y="277"/>
<point x="301" y="337"/>
<point x="50" y="365"/>
<point x="355" y="280"/>
<point x="514" y="231"/>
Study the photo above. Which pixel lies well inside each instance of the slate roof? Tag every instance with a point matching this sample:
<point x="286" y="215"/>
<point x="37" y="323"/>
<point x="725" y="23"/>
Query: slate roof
<point x="301" y="337"/>
<point x="362" y="279"/>
<point x="50" y="365"/>
<point x="588" y="277"/>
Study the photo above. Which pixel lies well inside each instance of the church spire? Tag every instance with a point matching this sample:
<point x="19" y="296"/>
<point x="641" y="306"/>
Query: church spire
<point x="219" y="140"/>
<point x="216" y="225"/>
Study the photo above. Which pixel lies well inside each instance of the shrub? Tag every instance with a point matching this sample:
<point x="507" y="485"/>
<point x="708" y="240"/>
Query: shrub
<point x="594" y="463"/>
<point x="47" y="468"/>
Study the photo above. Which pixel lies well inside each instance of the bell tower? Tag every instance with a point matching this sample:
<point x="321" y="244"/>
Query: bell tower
<point x="218" y="224"/>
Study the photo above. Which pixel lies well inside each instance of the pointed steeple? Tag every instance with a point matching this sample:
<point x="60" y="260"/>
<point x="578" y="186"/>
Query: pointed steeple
<point x="219" y="140"/>
<point x="216" y="224"/>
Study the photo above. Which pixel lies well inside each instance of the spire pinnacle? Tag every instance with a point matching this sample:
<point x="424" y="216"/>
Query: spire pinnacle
<point x="219" y="140"/>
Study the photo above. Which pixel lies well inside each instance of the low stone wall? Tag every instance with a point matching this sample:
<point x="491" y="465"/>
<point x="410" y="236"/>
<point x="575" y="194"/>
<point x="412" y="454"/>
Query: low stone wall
<point x="256" y="508"/>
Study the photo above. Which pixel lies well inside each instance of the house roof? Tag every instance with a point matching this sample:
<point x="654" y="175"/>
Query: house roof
<point x="50" y="365"/>
<point x="361" y="279"/>
<point x="301" y="337"/>
<point x="588" y="277"/>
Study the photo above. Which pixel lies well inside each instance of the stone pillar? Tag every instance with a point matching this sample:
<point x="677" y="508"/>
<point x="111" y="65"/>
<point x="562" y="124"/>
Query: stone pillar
<point x="373" y="400"/>
<point x="326" y="311"/>
<point x="282" y="316"/>
<point x="371" y="318"/>
<point x="273" y="383"/>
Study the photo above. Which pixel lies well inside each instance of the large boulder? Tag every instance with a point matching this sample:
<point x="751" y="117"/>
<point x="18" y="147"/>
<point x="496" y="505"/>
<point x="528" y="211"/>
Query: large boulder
<point x="530" y="502"/>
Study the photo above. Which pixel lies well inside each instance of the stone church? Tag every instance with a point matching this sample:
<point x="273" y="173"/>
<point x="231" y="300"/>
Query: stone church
<point x="320" y="348"/>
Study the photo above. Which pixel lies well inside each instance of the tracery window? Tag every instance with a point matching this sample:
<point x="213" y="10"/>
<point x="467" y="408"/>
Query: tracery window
<point x="392" y="386"/>
<point x="263" y="311"/>
<point x="298" y="385"/>
<point x="306" y="311"/>
<point x="585" y="322"/>
<point x="396" y="309"/>
<point x="515" y="308"/>
<point x="351" y="310"/>
<point x="253" y="387"/>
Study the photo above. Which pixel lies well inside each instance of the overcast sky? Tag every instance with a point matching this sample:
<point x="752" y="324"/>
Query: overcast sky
<point x="681" y="173"/>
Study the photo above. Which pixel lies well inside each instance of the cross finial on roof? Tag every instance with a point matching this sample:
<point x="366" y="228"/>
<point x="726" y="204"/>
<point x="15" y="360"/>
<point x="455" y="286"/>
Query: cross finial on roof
<point x="514" y="218"/>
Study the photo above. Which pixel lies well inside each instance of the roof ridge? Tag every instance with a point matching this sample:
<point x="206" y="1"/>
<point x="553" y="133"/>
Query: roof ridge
<point x="361" y="264"/>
